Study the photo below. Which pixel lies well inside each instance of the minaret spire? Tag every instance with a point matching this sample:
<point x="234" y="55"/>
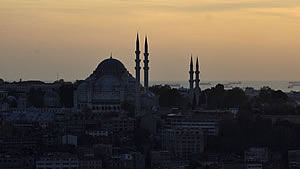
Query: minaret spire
<point x="137" y="42"/>
<point x="191" y="81"/>
<point x="191" y="72"/>
<point x="146" y="44"/>
<point x="197" y="87"/>
<point x="197" y="72"/>
<point x="146" y="66"/>
<point x="137" y="76"/>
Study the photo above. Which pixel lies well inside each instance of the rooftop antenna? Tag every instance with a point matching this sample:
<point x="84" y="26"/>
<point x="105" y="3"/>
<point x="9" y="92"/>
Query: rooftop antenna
<point x="111" y="55"/>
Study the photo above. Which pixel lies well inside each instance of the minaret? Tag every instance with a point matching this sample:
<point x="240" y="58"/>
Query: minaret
<point x="137" y="76"/>
<point x="146" y="66"/>
<point x="197" y="75"/>
<point x="191" y="72"/>
<point x="197" y="87"/>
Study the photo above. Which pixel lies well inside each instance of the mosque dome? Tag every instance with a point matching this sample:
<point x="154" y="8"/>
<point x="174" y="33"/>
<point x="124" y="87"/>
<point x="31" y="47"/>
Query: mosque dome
<point x="110" y="66"/>
<point x="111" y="85"/>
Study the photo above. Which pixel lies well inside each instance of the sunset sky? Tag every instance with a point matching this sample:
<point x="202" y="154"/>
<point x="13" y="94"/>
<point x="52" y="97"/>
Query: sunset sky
<point x="234" y="39"/>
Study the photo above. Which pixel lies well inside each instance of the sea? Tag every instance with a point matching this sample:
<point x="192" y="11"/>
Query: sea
<point x="286" y="86"/>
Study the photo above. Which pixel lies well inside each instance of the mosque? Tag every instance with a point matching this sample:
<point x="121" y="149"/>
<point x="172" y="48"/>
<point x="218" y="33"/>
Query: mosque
<point x="111" y="85"/>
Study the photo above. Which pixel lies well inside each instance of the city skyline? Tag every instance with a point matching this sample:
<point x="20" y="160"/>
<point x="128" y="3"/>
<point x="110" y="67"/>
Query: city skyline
<point x="149" y="84"/>
<point x="235" y="40"/>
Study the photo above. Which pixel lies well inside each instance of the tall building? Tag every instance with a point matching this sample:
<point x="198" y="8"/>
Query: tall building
<point x="208" y="121"/>
<point x="89" y="163"/>
<point x="256" y="157"/>
<point x="183" y="142"/>
<point x="294" y="159"/>
<point x="257" y="154"/>
<point x="57" y="160"/>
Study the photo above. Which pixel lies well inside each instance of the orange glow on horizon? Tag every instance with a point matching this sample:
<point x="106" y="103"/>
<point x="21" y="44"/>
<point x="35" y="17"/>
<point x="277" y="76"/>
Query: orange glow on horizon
<point x="234" y="39"/>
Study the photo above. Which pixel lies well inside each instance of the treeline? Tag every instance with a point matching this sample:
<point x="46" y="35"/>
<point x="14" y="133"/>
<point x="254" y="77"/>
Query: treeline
<point x="169" y="97"/>
<point x="274" y="102"/>
<point x="249" y="130"/>
<point x="217" y="97"/>
<point x="268" y="101"/>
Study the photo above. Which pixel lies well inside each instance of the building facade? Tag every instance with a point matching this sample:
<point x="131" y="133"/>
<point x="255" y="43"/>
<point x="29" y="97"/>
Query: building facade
<point x="57" y="160"/>
<point x="183" y="142"/>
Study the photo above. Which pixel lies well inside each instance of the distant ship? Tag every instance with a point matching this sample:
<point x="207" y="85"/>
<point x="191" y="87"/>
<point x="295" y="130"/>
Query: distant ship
<point x="174" y="85"/>
<point x="294" y="82"/>
<point x="205" y="84"/>
<point x="228" y="86"/>
<point x="235" y="83"/>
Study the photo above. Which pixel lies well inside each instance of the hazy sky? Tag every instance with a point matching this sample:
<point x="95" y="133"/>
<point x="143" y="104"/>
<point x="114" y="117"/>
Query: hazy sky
<point x="234" y="39"/>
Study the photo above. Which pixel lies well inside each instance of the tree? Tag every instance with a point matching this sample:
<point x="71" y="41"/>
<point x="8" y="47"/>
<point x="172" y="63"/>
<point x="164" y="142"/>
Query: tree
<point x="215" y="96"/>
<point x="169" y="97"/>
<point x="267" y="95"/>
<point x="235" y="97"/>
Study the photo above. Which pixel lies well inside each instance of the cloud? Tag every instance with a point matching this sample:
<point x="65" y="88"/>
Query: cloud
<point x="286" y="13"/>
<point x="126" y="7"/>
<point x="215" y="6"/>
<point x="71" y="6"/>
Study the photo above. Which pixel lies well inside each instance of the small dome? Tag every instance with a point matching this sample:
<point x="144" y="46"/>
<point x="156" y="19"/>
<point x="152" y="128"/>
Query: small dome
<point x="110" y="66"/>
<point x="11" y="99"/>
